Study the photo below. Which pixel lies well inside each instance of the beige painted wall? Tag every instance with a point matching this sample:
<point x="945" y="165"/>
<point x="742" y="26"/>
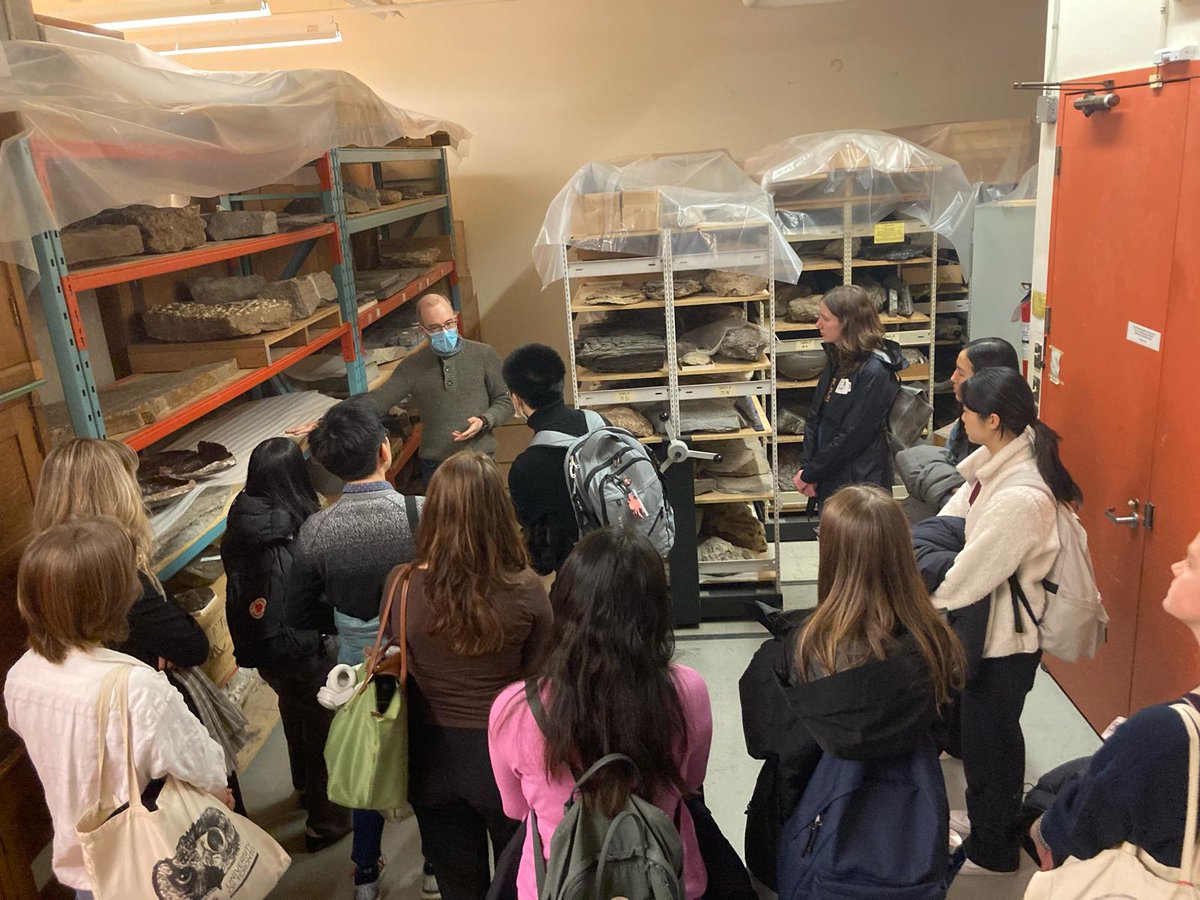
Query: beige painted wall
<point x="546" y="85"/>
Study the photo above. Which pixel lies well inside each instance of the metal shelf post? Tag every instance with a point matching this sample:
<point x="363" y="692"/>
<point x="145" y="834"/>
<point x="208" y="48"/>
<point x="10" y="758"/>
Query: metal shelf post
<point x="334" y="204"/>
<point x="448" y="220"/>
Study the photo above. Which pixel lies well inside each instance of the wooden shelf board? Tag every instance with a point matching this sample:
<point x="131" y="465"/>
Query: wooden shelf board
<point x="875" y="263"/>
<point x="817" y="264"/>
<point x="694" y="300"/>
<point x="782" y="325"/>
<point x="395" y="212"/>
<point x="740" y="434"/>
<point x="739" y="577"/>
<point x="684" y="371"/>
<point x="790" y="439"/>
<point x="717" y="497"/>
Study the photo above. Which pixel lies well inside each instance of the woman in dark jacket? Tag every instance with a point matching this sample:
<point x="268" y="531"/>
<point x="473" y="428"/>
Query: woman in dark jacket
<point x="845" y="435"/>
<point x="257" y="554"/>
<point x="861" y="677"/>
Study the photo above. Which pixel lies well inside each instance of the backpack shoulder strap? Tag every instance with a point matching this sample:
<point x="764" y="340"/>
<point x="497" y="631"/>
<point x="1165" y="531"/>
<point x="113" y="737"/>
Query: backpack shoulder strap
<point x="553" y="439"/>
<point x="534" y="698"/>
<point x="410" y="510"/>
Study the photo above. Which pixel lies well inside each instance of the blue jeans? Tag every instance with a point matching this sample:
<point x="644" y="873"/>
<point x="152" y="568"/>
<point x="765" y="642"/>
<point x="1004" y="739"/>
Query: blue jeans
<point x="368" y="838"/>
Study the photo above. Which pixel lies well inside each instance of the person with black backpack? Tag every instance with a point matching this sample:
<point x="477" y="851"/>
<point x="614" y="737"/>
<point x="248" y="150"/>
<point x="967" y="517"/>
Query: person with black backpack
<point x="534" y="374"/>
<point x="608" y="686"/>
<point x="840" y="704"/>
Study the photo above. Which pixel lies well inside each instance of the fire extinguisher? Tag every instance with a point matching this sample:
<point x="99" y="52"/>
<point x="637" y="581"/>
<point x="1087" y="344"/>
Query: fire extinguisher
<point x="1022" y="314"/>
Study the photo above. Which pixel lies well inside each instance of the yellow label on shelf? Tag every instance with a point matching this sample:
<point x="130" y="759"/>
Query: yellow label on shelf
<point x="889" y="233"/>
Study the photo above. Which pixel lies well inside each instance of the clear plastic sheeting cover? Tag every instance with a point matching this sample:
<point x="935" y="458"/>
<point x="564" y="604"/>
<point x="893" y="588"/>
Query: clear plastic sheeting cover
<point x="105" y="129"/>
<point x="622" y="206"/>
<point x="815" y="178"/>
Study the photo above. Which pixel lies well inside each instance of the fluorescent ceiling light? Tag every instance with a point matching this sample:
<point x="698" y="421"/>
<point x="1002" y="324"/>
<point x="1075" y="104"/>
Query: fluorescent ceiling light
<point x="220" y="12"/>
<point x="314" y="35"/>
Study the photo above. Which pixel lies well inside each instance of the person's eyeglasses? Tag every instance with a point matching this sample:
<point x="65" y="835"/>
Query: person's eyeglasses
<point x="448" y="325"/>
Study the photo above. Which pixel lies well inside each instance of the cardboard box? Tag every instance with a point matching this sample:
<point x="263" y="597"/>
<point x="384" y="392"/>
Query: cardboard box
<point x="950" y="274"/>
<point x="460" y="248"/>
<point x="615" y="212"/>
<point x="469" y="310"/>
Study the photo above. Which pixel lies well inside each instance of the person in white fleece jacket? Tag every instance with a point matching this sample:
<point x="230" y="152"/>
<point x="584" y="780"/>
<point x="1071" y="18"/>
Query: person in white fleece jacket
<point x="75" y="585"/>
<point x="1010" y="530"/>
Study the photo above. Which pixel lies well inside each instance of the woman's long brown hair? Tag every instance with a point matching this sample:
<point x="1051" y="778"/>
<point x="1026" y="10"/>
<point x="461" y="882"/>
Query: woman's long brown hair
<point x="862" y="331"/>
<point x="472" y="546"/>
<point x="868" y="587"/>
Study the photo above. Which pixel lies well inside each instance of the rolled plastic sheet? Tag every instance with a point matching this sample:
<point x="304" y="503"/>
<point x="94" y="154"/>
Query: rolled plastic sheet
<point x="623" y="206"/>
<point x="87" y="129"/>
<point x="814" y="178"/>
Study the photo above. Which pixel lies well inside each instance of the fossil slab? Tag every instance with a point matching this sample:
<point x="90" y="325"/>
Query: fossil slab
<point x="684" y="287"/>
<point x="183" y="322"/>
<point x="734" y="284"/>
<point x="226" y="289"/>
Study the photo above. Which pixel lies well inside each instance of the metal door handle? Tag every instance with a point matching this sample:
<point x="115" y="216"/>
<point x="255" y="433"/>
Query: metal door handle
<point x="1130" y="520"/>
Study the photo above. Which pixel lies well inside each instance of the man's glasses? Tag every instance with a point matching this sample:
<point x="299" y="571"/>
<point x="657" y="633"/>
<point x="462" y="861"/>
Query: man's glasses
<point x="448" y="325"/>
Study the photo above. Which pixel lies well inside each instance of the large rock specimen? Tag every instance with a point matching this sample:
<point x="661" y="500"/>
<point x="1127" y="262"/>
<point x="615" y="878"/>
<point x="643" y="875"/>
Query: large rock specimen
<point x="805" y="309"/>
<point x="790" y="456"/>
<point x="389" y="197"/>
<point x="226" y="290"/>
<point x="164" y="229"/>
<point x="184" y="322"/>
<point x="900" y="300"/>
<point x="228" y="225"/>
<point x="90" y="242"/>
<point x="610" y="294"/>
<point x="739" y="458"/>
<point x="717" y="549"/>
<point x="705" y="417"/>
<point x="802" y="365"/>
<point x="835" y="248"/>
<point x="300" y="293"/>
<point x="367" y="195"/>
<point x="617" y="351"/>
<point x="892" y="252"/>
<point x="790" y="422"/>
<point x="355" y="205"/>
<point x="737" y="524"/>
<point x="628" y="418"/>
<point x="747" y="341"/>
<point x="684" y="287"/>
<point x="422" y="257"/>
<point x="876" y="291"/>
<point x="691" y="355"/>
<point x="734" y="284"/>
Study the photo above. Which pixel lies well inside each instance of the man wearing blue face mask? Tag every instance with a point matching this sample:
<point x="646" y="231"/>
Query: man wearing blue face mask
<point x="455" y="384"/>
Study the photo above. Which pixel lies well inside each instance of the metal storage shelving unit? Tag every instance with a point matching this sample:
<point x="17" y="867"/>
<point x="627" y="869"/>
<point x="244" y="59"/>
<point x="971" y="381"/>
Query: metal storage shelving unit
<point x="842" y="195"/>
<point x="698" y="591"/>
<point x="60" y="286"/>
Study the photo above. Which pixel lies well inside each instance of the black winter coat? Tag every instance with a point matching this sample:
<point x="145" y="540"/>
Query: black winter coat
<point x="257" y="554"/>
<point x="845" y="437"/>
<point x="874" y="711"/>
<point x="158" y="629"/>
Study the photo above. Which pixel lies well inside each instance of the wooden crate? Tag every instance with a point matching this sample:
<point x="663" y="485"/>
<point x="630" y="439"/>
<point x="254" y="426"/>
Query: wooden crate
<point x="251" y="351"/>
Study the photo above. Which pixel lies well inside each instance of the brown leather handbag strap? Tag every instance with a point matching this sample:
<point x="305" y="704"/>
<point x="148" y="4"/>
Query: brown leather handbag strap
<point x="375" y="659"/>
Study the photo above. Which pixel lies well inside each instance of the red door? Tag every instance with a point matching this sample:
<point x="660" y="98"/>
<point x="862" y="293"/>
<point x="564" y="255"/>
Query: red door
<point x="1166" y="661"/>
<point x="1116" y="202"/>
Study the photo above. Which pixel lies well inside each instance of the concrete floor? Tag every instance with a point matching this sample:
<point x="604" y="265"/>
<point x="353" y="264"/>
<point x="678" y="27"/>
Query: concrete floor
<point x="1054" y="730"/>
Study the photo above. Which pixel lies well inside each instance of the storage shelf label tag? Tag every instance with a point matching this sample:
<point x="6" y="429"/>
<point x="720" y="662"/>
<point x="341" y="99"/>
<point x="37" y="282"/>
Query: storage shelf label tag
<point x="889" y="233"/>
<point x="1143" y="336"/>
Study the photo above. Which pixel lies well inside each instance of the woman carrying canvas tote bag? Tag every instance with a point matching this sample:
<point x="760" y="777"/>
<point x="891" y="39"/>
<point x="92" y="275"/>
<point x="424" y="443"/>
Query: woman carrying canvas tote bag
<point x="1127" y="826"/>
<point x="76" y="583"/>
<point x="189" y="846"/>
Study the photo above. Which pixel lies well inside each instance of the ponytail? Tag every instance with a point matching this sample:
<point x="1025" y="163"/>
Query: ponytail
<point x="1050" y="465"/>
<point x="1004" y="393"/>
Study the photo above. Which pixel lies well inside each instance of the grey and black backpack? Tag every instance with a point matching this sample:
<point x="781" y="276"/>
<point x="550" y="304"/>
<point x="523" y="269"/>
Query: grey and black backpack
<point x="637" y="854"/>
<point x="613" y="480"/>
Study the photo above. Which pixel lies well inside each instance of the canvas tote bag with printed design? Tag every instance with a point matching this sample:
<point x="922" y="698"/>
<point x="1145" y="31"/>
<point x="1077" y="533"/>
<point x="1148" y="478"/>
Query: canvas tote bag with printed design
<point x="190" y="846"/>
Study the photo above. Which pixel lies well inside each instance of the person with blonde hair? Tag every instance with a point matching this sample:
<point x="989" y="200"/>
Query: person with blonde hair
<point x="861" y="677"/>
<point x="75" y="585"/>
<point x="845" y="434"/>
<point x="478" y="619"/>
<point x="85" y="476"/>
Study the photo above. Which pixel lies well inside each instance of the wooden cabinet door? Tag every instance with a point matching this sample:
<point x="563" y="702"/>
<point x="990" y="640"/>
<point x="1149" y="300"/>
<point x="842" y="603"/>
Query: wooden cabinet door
<point x="1116" y="203"/>
<point x="19" y="364"/>
<point x="1166" y="661"/>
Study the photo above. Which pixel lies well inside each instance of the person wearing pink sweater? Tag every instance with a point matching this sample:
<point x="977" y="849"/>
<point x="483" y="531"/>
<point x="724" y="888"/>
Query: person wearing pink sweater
<point x="608" y="686"/>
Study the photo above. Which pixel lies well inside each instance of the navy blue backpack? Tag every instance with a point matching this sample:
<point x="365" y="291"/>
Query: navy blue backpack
<point x="868" y="830"/>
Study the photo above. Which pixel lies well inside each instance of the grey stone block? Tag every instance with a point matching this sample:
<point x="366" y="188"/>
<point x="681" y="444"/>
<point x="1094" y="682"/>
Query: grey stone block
<point x="83" y="244"/>
<point x="228" y="225"/>
<point x="164" y="229"/>
<point x="226" y="290"/>
<point x="184" y="322"/>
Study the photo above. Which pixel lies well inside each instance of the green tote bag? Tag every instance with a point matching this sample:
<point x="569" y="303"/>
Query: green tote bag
<point x="367" y="750"/>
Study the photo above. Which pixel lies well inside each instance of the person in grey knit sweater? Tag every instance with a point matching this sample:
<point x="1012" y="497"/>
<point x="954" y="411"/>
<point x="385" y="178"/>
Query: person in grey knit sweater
<point x="455" y="384"/>
<point x="342" y="558"/>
